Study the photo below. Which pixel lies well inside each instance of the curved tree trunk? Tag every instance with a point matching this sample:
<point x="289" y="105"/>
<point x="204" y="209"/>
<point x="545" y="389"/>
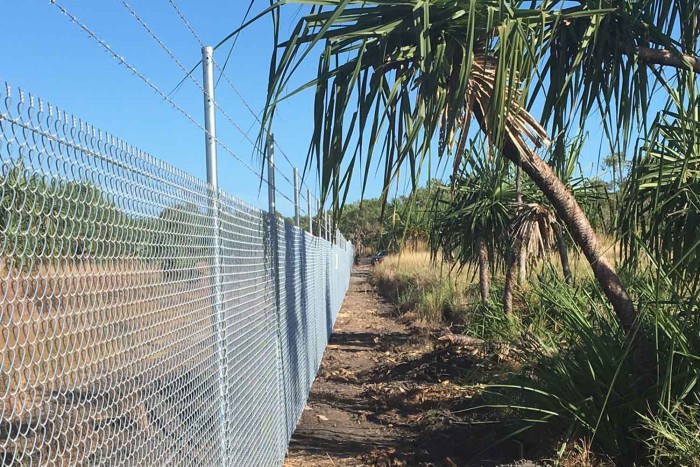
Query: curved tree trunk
<point x="585" y="237"/>
<point x="484" y="273"/>
<point x="581" y="230"/>
<point x="563" y="253"/>
<point x="569" y="211"/>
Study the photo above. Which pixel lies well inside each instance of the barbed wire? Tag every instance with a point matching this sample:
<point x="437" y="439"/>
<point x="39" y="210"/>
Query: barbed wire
<point x="157" y="90"/>
<point x="201" y="88"/>
<point x="189" y="75"/>
<point x="233" y="87"/>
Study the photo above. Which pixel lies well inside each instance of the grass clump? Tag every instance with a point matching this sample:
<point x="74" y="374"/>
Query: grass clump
<point x="674" y="436"/>
<point x="414" y="282"/>
<point x="579" y="376"/>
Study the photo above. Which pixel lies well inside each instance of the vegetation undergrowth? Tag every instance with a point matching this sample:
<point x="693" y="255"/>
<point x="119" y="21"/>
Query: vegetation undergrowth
<point x="413" y="282"/>
<point x="505" y="90"/>
<point x="575" y="362"/>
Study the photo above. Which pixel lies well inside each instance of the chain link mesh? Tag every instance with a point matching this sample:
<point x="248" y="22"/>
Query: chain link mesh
<point x="144" y="319"/>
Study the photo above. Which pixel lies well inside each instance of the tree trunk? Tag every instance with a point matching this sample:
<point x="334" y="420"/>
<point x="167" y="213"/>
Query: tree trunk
<point x="581" y="230"/>
<point x="510" y="277"/>
<point x="522" y="254"/>
<point x="569" y="211"/>
<point x="484" y="273"/>
<point x="563" y="254"/>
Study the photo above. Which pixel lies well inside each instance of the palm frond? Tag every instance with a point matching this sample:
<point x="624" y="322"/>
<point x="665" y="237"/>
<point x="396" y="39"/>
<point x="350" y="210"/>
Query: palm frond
<point x="533" y="228"/>
<point x="480" y="207"/>
<point x="662" y="199"/>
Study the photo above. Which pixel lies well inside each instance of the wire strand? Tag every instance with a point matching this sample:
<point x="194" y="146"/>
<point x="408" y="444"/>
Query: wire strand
<point x="200" y="86"/>
<point x="233" y="87"/>
<point x="150" y="84"/>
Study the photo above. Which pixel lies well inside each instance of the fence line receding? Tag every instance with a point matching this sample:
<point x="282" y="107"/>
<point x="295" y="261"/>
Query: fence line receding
<point x="146" y="319"/>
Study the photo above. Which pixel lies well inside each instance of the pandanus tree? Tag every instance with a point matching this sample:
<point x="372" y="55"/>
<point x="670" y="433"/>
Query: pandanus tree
<point x="399" y="80"/>
<point x="660" y="216"/>
<point x="482" y="219"/>
<point x="536" y="226"/>
<point x="473" y="223"/>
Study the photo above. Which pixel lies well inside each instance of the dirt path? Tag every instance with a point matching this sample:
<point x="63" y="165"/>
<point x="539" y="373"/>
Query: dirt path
<point x="384" y="394"/>
<point x="340" y="425"/>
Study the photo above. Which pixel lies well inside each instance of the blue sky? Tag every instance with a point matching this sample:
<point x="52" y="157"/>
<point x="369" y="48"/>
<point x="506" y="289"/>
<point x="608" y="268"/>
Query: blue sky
<point x="44" y="53"/>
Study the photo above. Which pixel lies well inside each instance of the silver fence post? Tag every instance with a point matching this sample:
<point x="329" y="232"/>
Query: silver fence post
<point x="275" y="253"/>
<point x="271" y="176"/>
<point x="328" y="230"/>
<point x="311" y="223"/>
<point x="213" y="181"/>
<point x="320" y="218"/>
<point x="297" y="208"/>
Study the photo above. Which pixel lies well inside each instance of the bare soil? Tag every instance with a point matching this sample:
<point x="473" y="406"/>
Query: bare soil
<point x="390" y="393"/>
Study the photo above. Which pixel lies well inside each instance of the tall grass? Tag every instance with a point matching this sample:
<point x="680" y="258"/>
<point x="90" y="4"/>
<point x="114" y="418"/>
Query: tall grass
<point x="416" y="282"/>
<point x="674" y="435"/>
<point x="579" y="375"/>
<point x="577" y="367"/>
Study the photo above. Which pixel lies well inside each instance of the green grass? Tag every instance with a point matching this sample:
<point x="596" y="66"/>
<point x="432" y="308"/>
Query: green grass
<point x="674" y="436"/>
<point x="576" y="373"/>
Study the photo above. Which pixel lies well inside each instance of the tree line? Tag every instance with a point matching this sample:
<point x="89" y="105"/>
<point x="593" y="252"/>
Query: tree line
<point x="47" y="220"/>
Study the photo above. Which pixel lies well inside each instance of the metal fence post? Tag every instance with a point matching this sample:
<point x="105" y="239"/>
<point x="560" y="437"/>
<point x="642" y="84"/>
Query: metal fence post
<point x="213" y="181"/>
<point x="297" y="208"/>
<point x="320" y="218"/>
<point x="311" y="222"/>
<point x="272" y="208"/>
<point x="274" y="248"/>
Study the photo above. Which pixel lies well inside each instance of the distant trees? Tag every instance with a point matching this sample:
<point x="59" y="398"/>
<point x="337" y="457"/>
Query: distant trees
<point x="51" y="219"/>
<point x="183" y="238"/>
<point x="404" y="221"/>
<point x="47" y="220"/>
<point x="363" y="224"/>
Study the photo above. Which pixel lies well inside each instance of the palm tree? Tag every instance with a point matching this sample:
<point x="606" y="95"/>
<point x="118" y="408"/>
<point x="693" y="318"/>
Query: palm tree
<point x="406" y="78"/>
<point x="473" y="223"/>
<point x="661" y="203"/>
<point x="591" y="195"/>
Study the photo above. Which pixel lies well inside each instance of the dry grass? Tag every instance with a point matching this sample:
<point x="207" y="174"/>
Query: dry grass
<point x="77" y="338"/>
<point x="580" y="268"/>
<point x="421" y="265"/>
<point x="414" y="281"/>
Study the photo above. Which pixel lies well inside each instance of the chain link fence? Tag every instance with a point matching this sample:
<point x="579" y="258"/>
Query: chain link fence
<point x="144" y="319"/>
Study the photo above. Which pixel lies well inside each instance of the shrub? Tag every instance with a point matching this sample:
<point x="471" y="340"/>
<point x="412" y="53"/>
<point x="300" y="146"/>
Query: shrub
<point x="580" y="377"/>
